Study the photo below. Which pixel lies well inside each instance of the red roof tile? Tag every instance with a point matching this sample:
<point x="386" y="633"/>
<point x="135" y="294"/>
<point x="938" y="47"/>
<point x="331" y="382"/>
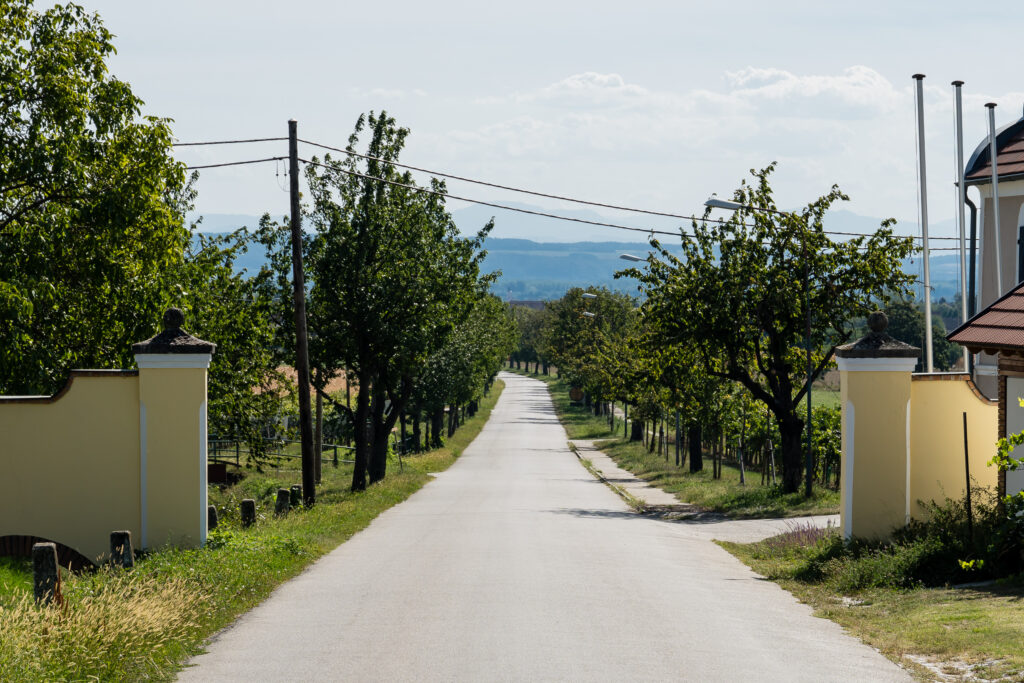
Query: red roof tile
<point x="1000" y="327"/>
<point x="1010" y="159"/>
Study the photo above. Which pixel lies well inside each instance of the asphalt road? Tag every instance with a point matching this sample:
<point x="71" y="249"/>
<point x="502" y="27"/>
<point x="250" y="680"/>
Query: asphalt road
<point x="516" y="565"/>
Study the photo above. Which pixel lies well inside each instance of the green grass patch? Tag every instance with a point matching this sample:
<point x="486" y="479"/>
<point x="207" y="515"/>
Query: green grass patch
<point x="827" y="397"/>
<point x="946" y="629"/>
<point x="143" y="624"/>
<point x="15" y="577"/>
<point x="725" y="495"/>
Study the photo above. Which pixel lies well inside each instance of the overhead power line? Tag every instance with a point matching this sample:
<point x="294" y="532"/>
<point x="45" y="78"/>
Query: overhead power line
<point x="509" y="188"/>
<point x="498" y="186"/>
<point x="225" y="142"/>
<point x="416" y="188"/>
<point x="547" y="195"/>
<point x="235" y="163"/>
<point x="448" y="195"/>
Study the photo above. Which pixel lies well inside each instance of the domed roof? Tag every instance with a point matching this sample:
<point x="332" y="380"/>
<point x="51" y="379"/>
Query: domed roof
<point x="1009" y="156"/>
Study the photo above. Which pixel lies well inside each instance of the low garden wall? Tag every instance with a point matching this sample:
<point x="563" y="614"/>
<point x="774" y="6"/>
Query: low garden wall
<point x="114" y="450"/>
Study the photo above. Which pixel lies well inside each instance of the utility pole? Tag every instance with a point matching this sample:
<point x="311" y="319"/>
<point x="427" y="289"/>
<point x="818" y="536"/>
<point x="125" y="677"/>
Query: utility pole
<point x="301" y="341"/>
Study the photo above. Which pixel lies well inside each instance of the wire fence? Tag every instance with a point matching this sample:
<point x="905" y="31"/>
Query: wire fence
<point x="231" y="451"/>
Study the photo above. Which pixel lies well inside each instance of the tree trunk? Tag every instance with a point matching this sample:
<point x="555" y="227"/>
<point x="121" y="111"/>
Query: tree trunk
<point x="696" y="456"/>
<point x="318" y="438"/>
<point x="362" y="434"/>
<point x="636" y="432"/>
<point x="379" y="450"/>
<point x="416" y="430"/>
<point x="653" y="438"/>
<point x="436" y="425"/>
<point x="792" y="455"/>
<point x="379" y="455"/>
<point x="453" y="413"/>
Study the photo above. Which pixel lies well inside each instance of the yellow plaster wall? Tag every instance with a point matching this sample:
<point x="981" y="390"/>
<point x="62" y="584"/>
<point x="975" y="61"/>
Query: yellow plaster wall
<point x="70" y="467"/>
<point x="79" y="465"/>
<point x="937" y="469"/>
<point x="873" y="489"/>
<point x="175" y="452"/>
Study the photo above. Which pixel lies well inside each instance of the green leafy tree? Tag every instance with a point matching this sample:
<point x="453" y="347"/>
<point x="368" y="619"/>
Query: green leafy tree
<point x="737" y="298"/>
<point x="576" y="330"/>
<point x="222" y="304"/>
<point x="906" y="323"/>
<point x="391" y="281"/>
<point x="91" y="202"/>
<point x="530" y="323"/>
<point x="459" y="372"/>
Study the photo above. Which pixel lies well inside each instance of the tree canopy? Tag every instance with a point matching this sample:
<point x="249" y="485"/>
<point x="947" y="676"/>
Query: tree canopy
<point x="392" y="279"/>
<point x="91" y="202"/>
<point x="742" y="294"/>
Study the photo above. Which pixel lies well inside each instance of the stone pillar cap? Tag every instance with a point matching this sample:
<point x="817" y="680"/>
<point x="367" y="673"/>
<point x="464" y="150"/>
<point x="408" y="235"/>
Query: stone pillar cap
<point x="876" y="343"/>
<point x="173" y="339"/>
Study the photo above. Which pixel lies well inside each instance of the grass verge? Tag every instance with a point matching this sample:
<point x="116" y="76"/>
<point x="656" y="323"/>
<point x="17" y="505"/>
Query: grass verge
<point x="143" y="624"/>
<point x="725" y="495"/>
<point x="966" y="633"/>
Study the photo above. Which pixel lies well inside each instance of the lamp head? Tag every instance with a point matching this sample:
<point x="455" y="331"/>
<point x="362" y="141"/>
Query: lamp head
<point x="716" y="203"/>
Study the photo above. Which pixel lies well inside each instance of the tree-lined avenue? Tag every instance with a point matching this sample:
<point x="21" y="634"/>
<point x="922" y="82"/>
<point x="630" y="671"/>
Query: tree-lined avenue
<point x="515" y="564"/>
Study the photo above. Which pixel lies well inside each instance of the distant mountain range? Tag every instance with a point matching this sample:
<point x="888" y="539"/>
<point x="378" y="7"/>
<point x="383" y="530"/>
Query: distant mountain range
<point x="541" y="258"/>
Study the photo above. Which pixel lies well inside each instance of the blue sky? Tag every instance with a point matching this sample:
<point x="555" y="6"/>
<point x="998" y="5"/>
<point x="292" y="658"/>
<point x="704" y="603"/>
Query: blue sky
<point x="652" y="104"/>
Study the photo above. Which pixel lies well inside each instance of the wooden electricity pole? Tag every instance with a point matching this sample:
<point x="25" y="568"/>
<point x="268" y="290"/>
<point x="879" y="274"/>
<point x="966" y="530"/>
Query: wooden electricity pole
<point x="301" y="342"/>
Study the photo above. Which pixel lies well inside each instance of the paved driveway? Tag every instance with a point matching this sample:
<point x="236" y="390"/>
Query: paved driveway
<point x="516" y="565"/>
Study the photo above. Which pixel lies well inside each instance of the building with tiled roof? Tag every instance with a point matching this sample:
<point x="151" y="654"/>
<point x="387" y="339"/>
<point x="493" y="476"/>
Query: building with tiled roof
<point x="989" y="289"/>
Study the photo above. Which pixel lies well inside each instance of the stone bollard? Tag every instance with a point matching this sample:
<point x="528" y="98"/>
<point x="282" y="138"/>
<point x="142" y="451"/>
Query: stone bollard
<point x="45" y="574"/>
<point x="211" y="517"/>
<point x="296" y="496"/>
<point x="284" y="498"/>
<point x="121" y="552"/>
<point x="248" y="513"/>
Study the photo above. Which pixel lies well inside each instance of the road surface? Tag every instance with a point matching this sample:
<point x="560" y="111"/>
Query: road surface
<point x="517" y="565"/>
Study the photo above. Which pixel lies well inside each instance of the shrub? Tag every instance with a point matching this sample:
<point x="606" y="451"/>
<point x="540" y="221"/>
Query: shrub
<point x="942" y="549"/>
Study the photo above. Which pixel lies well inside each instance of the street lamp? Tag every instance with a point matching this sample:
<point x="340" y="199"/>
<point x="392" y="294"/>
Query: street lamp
<point x="588" y="295"/>
<point x="631" y="257"/>
<point x="716" y="203"/>
<point x="588" y="314"/>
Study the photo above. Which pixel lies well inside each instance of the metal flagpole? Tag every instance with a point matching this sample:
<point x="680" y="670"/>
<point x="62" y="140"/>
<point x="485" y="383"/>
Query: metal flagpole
<point x="923" y="195"/>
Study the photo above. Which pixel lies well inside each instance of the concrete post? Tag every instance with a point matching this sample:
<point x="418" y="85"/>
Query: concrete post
<point x="121" y="552"/>
<point x="172" y="421"/>
<point x="296" y="495"/>
<point x="248" y="512"/>
<point x="874" y="376"/>
<point x="45" y="574"/>
<point x="283" y="502"/>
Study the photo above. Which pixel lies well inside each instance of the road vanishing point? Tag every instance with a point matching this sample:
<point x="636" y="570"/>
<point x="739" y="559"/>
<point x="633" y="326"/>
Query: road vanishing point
<point x="515" y="564"/>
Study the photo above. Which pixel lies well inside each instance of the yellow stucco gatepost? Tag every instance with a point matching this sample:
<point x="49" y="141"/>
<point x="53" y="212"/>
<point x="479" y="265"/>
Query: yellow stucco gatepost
<point x="874" y="374"/>
<point x="172" y="435"/>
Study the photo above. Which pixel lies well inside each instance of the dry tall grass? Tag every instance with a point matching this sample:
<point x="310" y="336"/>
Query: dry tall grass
<point x="124" y="628"/>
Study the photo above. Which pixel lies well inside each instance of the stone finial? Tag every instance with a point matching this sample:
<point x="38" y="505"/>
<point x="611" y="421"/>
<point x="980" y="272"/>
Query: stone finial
<point x="173" y="339"/>
<point x="878" y="321"/>
<point x="173" y="319"/>
<point x="877" y="343"/>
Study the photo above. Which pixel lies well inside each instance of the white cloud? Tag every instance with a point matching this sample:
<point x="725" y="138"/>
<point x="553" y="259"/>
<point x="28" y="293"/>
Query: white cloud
<point x="599" y="135"/>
